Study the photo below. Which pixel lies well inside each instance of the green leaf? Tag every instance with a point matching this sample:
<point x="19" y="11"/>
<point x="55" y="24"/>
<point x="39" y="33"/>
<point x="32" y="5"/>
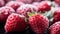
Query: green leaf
<point x="31" y="13"/>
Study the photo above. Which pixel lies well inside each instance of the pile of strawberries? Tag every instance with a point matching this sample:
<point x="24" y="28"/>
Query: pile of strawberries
<point x="39" y="17"/>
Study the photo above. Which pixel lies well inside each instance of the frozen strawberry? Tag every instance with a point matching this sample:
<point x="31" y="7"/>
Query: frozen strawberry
<point x="55" y="28"/>
<point x="25" y="9"/>
<point x="43" y="6"/>
<point x="15" y="23"/>
<point x="56" y="15"/>
<point x="25" y="1"/>
<point x="38" y="23"/>
<point x="2" y="3"/>
<point x="14" y="4"/>
<point x="5" y="12"/>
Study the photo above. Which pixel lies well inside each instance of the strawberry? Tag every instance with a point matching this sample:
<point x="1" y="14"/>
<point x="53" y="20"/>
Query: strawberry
<point x="55" y="28"/>
<point x="38" y="23"/>
<point x="43" y="6"/>
<point x="25" y="9"/>
<point x="5" y="12"/>
<point x="15" y="23"/>
<point x="14" y="4"/>
<point x="56" y="15"/>
<point x="2" y="3"/>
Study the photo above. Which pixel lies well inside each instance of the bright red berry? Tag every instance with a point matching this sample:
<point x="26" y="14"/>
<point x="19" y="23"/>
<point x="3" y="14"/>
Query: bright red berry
<point x="5" y="12"/>
<point x="15" y="23"/>
<point x="38" y="23"/>
<point x="55" y="28"/>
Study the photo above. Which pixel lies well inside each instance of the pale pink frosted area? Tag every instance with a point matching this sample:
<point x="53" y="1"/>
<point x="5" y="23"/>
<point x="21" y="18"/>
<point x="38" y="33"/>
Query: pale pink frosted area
<point x="2" y="3"/>
<point x="29" y="1"/>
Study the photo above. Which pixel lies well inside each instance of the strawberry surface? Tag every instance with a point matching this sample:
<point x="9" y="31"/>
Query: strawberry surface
<point x="5" y="12"/>
<point x="15" y="23"/>
<point x="38" y="23"/>
<point x="55" y="28"/>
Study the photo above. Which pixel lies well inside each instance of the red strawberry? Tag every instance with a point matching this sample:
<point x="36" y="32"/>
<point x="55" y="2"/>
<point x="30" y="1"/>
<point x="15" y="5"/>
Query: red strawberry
<point x="56" y="15"/>
<point x="43" y="6"/>
<point x="25" y="9"/>
<point x="14" y="4"/>
<point x="15" y="23"/>
<point x="2" y="3"/>
<point x="55" y="28"/>
<point x="38" y="23"/>
<point x="5" y="12"/>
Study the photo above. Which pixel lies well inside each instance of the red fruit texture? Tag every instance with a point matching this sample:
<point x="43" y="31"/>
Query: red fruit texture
<point x="15" y="23"/>
<point x="38" y="23"/>
<point x="25" y="9"/>
<point x="14" y="4"/>
<point x="57" y="11"/>
<point x="55" y="28"/>
<point x="2" y="3"/>
<point x="56" y="15"/>
<point x="43" y="5"/>
<point x="26" y="1"/>
<point x="36" y="3"/>
<point x="5" y="12"/>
